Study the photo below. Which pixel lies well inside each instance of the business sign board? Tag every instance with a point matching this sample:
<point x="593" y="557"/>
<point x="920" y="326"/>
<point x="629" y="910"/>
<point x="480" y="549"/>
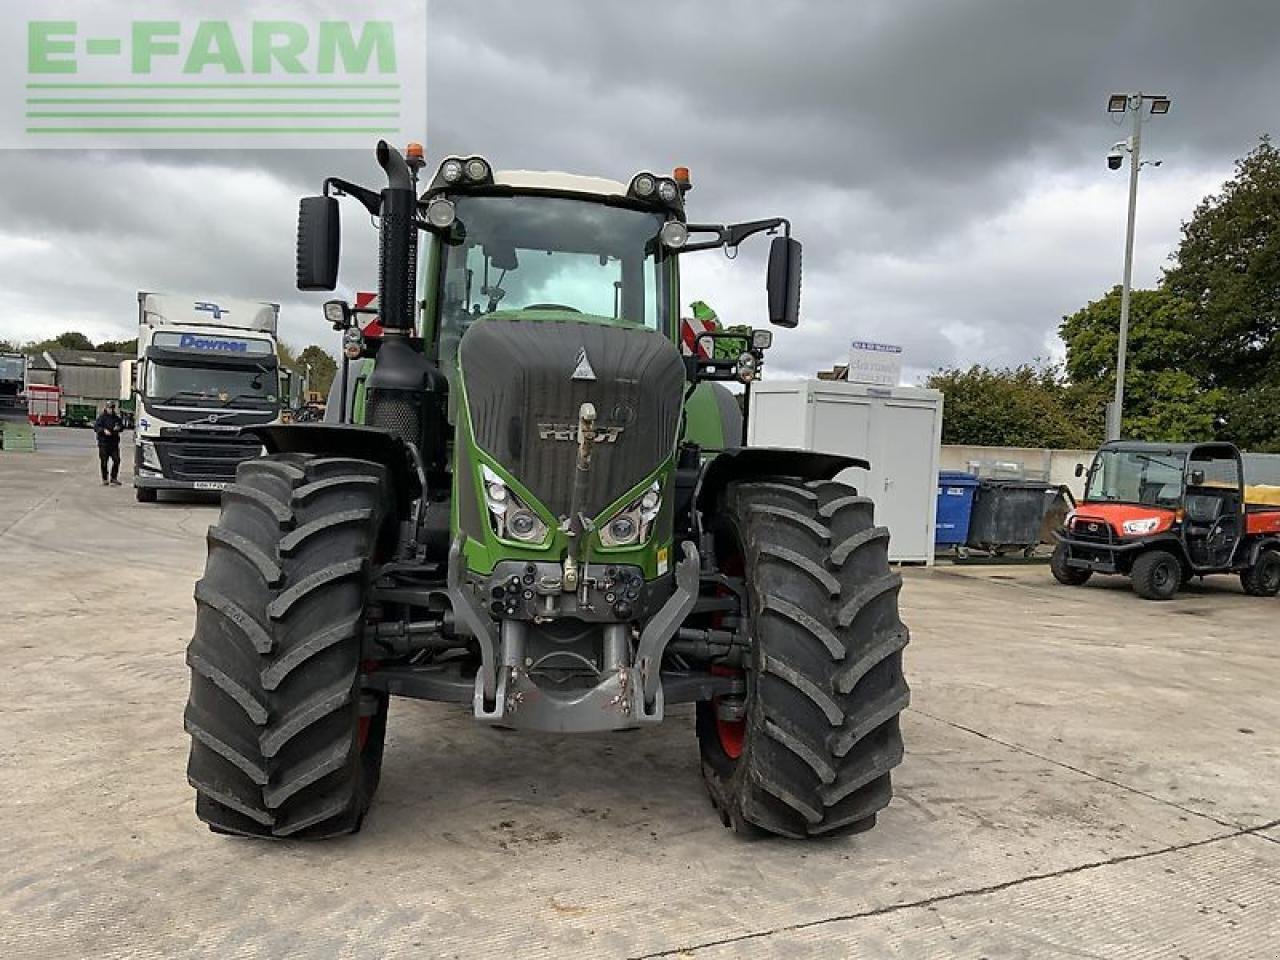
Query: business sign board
<point x="879" y="364"/>
<point x="315" y="74"/>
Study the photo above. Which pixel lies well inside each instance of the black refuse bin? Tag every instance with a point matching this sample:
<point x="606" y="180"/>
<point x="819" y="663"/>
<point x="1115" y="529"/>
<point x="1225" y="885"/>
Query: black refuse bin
<point x="1008" y="514"/>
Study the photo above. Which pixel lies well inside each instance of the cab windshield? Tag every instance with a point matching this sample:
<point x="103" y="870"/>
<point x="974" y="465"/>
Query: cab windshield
<point x="1132" y="476"/>
<point x="554" y="255"/>
<point x="214" y="387"/>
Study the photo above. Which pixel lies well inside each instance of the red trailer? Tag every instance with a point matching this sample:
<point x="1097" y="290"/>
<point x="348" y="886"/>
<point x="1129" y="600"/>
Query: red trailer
<point x="44" y="404"/>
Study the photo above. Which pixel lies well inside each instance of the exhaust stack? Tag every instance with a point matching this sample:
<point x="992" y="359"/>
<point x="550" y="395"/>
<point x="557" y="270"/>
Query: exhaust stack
<point x="397" y="242"/>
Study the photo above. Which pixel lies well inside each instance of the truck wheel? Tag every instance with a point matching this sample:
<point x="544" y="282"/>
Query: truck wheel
<point x="1263" y="578"/>
<point x="283" y="743"/>
<point x="811" y="749"/>
<point x="1071" y="576"/>
<point x="1156" y="575"/>
<point x="144" y="494"/>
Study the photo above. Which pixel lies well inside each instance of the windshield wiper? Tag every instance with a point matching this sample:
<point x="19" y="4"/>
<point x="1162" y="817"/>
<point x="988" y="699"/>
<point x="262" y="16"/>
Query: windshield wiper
<point x="245" y="396"/>
<point x="1158" y="462"/>
<point x="189" y="394"/>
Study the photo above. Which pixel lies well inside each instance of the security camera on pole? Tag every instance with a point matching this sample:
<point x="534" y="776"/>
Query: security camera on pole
<point x="1119" y="103"/>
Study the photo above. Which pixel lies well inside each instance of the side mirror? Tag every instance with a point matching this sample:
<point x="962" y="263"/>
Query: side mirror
<point x="1197" y="478"/>
<point x="783" y="282"/>
<point x="1079" y="469"/>
<point x="318" y="243"/>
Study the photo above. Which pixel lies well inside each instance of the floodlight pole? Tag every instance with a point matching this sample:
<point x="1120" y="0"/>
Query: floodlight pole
<point x="1136" y="104"/>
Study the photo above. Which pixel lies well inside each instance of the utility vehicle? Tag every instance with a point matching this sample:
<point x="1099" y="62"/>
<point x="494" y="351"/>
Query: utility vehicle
<point x="515" y="514"/>
<point x="1162" y="513"/>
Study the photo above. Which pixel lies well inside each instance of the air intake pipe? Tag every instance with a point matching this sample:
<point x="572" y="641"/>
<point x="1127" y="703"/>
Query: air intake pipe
<point x="397" y="243"/>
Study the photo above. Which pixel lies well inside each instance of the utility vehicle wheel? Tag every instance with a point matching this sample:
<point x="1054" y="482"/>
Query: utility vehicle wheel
<point x="810" y="749"/>
<point x="1263" y="578"/>
<point x="1071" y="576"/>
<point x="1156" y="575"/>
<point x="283" y="743"/>
<point x="144" y="494"/>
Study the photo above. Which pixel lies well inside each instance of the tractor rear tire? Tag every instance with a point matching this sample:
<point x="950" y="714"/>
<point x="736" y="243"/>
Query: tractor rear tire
<point x="283" y="742"/>
<point x="1263" y="578"/>
<point x="1070" y="576"/>
<point x="819" y="732"/>
<point x="1156" y="575"/>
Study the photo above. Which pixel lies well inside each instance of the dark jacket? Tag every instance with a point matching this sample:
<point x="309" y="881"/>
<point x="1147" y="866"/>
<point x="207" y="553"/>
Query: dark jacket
<point x="108" y="421"/>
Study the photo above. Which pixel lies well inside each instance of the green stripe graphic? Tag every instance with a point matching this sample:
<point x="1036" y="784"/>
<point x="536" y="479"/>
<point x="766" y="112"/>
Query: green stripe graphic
<point x="230" y="84"/>
<point x="220" y="114"/>
<point x="212" y="129"/>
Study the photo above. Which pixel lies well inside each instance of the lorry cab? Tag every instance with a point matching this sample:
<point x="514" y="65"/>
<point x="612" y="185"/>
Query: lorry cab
<point x="1162" y="513"/>
<point x="204" y="371"/>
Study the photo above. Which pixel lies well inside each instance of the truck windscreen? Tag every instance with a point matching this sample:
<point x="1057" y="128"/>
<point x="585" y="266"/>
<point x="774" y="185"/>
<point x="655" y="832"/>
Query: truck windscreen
<point x="252" y="387"/>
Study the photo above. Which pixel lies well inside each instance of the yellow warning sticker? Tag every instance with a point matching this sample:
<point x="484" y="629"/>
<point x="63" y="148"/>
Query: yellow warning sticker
<point x="662" y="560"/>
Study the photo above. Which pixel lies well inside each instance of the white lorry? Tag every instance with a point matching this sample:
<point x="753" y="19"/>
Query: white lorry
<point x="205" y="369"/>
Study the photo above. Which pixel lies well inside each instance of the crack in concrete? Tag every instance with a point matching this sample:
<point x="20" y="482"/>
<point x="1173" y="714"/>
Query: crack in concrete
<point x="963" y="894"/>
<point x="1084" y="773"/>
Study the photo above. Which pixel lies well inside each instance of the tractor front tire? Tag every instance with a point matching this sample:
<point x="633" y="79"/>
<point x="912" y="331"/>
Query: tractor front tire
<point x="1263" y="578"/>
<point x="819" y="730"/>
<point x="283" y="742"/>
<point x="1156" y="575"/>
<point x="1071" y="576"/>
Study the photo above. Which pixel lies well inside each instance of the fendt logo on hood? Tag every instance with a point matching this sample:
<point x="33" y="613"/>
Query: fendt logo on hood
<point x="583" y="370"/>
<point x="569" y="432"/>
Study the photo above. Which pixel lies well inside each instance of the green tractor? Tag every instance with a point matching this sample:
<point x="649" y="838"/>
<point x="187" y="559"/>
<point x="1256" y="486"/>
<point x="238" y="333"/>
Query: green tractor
<point x="523" y="510"/>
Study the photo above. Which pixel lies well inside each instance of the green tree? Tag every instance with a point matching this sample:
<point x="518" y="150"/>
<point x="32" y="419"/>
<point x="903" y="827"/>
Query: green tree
<point x="1032" y="405"/>
<point x="119" y="346"/>
<point x="284" y="353"/>
<point x="1227" y="269"/>
<point x="1163" y="400"/>
<point x="323" y="368"/>
<point x="71" y="340"/>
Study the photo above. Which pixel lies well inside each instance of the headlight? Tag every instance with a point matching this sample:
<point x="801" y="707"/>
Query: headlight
<point x="668" y="192"/>
<point x="643" y="185"/>
<point x="476" y="169"/>
<point x="634" y="523"/>
<point x="149" y="456"/>
<point x="511" y="517"/>
<point x="1145" y="525"/>
<point x="441" y="213"/>
<point x="761" y="339"/>
<point x="674" y="234"/>
<point x="746" y="367"/>
<point x="451" y="171"/>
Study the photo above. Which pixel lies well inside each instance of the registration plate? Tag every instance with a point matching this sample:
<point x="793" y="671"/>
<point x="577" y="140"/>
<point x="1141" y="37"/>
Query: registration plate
<point x="210" y="484"/>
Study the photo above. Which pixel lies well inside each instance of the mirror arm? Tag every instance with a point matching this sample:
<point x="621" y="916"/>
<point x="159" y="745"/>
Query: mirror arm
<point x="734" y="233"/>
<point x="370" y="200"/>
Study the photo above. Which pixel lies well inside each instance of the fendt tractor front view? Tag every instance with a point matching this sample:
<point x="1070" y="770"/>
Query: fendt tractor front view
<point x="526" y="504"/>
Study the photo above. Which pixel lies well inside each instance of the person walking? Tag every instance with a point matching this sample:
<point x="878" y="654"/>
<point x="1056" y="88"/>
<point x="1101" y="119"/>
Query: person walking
<point x="108" y="427"/>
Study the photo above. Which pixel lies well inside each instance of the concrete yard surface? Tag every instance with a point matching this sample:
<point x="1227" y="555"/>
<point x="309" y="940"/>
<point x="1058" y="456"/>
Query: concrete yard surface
<point x="1087" y="775"/>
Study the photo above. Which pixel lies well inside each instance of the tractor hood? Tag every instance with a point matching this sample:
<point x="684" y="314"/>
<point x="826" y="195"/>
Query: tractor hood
<point x="525" y="381"/>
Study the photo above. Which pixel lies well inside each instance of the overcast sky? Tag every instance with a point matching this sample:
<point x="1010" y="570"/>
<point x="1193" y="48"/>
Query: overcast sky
<point x="943" y="162"/>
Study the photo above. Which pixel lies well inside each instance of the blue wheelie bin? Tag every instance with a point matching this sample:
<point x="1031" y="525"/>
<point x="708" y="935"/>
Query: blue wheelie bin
<point x="955" y="506"/>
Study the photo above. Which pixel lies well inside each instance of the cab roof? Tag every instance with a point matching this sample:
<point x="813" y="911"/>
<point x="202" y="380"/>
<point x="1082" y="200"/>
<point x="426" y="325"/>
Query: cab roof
<point x="560" y="182"/>
<point x="1218" y="448"/>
